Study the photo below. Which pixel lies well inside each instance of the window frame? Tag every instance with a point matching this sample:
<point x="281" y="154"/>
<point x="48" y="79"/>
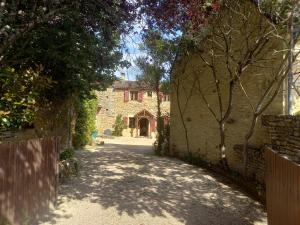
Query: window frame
<point x="132" y="122"/>
<point x="166" y="98"/>
<point x="134" y="95"/>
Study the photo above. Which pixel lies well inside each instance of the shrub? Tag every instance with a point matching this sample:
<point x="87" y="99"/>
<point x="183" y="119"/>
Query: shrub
<point x="66" y="154"/>
<point x="165" y="142"/>
<point x="86" y="121"/>
<point x="119" y="126"/>
<point x="68" y="166"/>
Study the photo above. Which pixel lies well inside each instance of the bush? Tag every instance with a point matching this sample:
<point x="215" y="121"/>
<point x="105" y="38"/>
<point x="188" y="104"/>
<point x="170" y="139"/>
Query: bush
<point x="119" y="126"/>
<point x="66" y="154"/>
<point x="164" y="149"/>
<point x="86" y="121"/>
<point x="68" y="166"/>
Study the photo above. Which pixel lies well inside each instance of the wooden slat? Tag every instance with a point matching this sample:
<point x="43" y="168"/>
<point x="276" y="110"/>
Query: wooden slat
<point x="28" y="178"/>
<point x="283" y="190"/>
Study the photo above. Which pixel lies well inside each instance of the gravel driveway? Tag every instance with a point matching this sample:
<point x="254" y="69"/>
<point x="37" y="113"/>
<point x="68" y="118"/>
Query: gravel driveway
<point x="123" y="183"/>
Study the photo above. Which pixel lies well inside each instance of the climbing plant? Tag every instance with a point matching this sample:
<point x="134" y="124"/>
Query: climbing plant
<point x="119" y="126"/>
<point x="86" y="109"/>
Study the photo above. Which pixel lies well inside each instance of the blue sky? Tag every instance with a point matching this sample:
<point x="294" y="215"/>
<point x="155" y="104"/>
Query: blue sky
<point x="131" y="52"/>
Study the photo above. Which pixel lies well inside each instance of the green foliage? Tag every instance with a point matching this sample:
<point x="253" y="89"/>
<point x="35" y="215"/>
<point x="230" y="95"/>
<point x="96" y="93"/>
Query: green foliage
<point x="155" y="68"/>
<point x="23" y="18"/>
<point x="86" y="121"/>
<point x="160" y="136"/>
<point x="155" y="71"/>
<point x="77" y="47"/>
<point x="66" y="154"/>
<point x="20" y="92"/>
<point x="119" y="126"/>
<point x="76" y="60"/>
<point x="68" y="165"/>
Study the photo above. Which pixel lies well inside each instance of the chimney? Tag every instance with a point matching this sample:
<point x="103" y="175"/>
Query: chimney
<point x="122" y="76"/>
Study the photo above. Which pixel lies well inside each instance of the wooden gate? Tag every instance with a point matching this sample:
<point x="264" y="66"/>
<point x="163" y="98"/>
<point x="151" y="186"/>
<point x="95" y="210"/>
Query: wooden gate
<point x="28" y="179"/>
<point x="283" y="189"/>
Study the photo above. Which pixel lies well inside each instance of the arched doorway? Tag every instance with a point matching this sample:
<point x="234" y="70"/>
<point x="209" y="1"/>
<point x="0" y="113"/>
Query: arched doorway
<point x="144" y="127"/>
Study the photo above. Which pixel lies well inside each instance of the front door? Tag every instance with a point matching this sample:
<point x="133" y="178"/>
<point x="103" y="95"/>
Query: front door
<point x="144" y="127"/>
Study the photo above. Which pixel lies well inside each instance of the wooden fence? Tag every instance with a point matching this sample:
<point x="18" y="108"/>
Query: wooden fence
<point x="28" y="179"/>
<point x="283" y="190"/>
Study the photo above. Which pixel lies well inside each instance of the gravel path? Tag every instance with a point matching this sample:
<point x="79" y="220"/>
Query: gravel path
<point x="123" y="183"/>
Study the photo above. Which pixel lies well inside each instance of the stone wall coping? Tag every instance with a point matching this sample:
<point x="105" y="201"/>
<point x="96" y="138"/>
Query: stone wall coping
<point x="294" y="159"/>
<point x="272" y="120"/>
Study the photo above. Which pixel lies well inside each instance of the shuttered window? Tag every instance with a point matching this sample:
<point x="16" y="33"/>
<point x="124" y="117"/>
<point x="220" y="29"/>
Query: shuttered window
<point x="134" y="95"/>
<point x="126" y="96"/>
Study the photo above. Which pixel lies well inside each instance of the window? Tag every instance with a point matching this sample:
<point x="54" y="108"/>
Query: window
<point x="166" y="98"/>
<point x="149" y="93"/>
<point x="134" y="95"/>
<point x="131" y="122"/>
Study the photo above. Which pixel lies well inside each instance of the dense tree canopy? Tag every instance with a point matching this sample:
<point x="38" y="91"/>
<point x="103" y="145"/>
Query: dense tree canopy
<point x="18" y="18"/>
<point x="193" y="15"/>
<point x="73" y="44"/>
<point x="179" y="15"/>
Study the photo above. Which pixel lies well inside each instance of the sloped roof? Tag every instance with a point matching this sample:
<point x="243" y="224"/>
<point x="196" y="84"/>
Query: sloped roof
<point x="133" y="85"/>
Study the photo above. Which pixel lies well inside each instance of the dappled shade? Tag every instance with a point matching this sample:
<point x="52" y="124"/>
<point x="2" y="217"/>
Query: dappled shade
<point x="131" y="180"/>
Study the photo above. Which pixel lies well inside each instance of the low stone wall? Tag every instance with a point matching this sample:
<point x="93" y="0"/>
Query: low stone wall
<point x="284" y="133"/>
<point x="256" y="161"/>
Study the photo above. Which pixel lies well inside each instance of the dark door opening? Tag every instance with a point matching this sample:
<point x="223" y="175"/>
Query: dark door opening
<point x="144" y="127"/>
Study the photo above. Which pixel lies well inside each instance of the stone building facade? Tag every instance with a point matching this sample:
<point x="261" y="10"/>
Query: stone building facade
<point x="192" y="123"/>
<point x="296" y="79"/>
<point x="136" y="103"/>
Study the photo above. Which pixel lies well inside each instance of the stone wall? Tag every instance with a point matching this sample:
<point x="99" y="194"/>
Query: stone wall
<point x="111" y="103"/>
<point x="191" y="76"/>
<point x="284" y="134"/>
<point x="256" y="161"/>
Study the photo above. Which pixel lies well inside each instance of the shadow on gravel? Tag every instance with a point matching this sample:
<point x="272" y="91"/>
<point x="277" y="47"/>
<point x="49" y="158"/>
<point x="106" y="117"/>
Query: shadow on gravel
<point x="132" y="180"/>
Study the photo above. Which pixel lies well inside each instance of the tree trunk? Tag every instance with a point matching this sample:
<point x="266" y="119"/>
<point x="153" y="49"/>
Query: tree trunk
<point x="246" y="143"/>
<point x="159" y="123"/>
<point x="222" y="145"/>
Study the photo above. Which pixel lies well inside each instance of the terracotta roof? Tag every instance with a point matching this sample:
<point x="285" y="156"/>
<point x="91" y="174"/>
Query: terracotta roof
<point x="122" y="84"/>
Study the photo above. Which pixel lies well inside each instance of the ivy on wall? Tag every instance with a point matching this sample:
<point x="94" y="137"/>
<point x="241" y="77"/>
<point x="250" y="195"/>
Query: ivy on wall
<point x="86" y="121"/>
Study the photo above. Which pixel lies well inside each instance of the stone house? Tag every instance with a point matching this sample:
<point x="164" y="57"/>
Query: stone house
<point x="136" y="103"/>
<point x="194" y="94"/>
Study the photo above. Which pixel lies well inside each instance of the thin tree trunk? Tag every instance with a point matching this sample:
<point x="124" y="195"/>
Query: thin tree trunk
<point x="222" y="144"/>
<point x="246" y="142"/>
<point x="260" y="108"/>
<point x="159" y="122"/>
<point x="182" y="119"/>
<point x="222" y="125"/>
